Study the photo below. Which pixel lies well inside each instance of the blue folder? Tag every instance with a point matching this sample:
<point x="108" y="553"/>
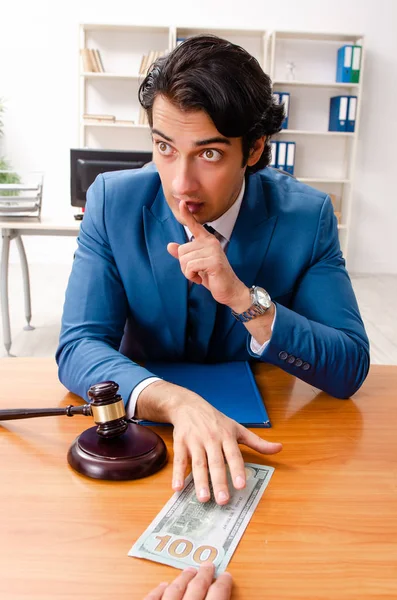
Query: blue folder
<point x="344" y="64"/>
<point x="284" y="99"/>
<point x="338" y="113"/>
<point x="351" y="113"/>
<point x="230" y="387"/>
<point x="273" y="159"/>
<point x="290" y="162"/>
<point x="281" y="155"/>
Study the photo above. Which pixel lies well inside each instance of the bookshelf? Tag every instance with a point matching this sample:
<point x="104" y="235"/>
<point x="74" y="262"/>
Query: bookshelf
<point x="324" y="159"/>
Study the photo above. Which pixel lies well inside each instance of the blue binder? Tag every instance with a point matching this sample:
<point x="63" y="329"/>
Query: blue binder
<point x="351" y="113"/>
<point x="338" y="113"/>
<point x="344" y="64"/>
<point x="281" y="155"/>
<point x="230" y="387"/>
<point x="273" y="159"/>
<point x="285" y="99"/>
<point x="276" y="96"/>
<point x="290" y="161"/>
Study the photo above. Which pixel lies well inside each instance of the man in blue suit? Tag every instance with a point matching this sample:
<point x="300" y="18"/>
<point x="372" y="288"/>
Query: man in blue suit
<point x="208" y="256"/>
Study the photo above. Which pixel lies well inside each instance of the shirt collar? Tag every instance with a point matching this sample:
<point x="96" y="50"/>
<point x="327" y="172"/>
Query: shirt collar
<point x="226" y="222"/>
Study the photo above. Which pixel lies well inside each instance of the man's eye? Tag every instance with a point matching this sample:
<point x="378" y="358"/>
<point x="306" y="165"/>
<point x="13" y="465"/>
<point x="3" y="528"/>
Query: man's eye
<point x="211" y="155"/>
<point x="163" y="148"/>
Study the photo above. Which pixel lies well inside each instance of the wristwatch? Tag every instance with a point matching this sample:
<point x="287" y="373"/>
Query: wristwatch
<point x="261" y="302"/>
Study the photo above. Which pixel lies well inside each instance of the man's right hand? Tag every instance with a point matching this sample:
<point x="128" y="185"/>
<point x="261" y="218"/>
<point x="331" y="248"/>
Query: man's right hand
<point x="203" y="436"/>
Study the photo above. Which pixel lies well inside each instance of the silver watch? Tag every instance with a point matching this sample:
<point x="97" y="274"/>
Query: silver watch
<point x="261" y="302"/>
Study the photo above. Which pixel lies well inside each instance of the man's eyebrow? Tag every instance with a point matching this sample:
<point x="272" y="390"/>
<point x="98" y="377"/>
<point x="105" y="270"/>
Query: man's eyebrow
<point x="212" y="140"/>
<point x="160" y="133"/>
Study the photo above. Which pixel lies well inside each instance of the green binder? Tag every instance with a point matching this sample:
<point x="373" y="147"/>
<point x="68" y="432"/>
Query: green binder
<point x="356" y="64"/>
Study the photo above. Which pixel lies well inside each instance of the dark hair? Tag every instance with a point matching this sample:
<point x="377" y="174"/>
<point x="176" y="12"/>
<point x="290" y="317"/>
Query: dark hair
<point x="208" y="73"/>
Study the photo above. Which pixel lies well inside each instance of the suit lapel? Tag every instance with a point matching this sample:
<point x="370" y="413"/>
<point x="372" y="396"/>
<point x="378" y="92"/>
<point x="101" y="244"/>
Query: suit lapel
<point x="249" y="242"/>
<point x="160" y="228"/>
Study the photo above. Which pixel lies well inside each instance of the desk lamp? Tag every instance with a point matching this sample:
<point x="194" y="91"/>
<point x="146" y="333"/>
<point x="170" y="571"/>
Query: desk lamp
<point x="116" y="449"/>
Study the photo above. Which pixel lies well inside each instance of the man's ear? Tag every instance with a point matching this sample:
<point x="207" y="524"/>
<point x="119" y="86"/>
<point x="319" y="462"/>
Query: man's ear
<point x="256" y="151"/>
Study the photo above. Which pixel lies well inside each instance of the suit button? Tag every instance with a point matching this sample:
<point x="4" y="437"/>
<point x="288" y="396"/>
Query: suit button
<point x="283" y="355"/>
<point x="306" y="366"/>
<point x="291" y="359"/>
<point x="299" y="362"/>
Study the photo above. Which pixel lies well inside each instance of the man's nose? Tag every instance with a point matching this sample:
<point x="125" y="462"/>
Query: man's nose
<point x="185" y="182"/>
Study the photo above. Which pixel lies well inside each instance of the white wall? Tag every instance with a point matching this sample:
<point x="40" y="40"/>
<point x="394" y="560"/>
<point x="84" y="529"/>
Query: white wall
<point x="38" y="77"/>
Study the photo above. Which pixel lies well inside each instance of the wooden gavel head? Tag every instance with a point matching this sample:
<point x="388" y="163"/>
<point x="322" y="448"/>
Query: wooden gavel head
<point x="107" y="408"/>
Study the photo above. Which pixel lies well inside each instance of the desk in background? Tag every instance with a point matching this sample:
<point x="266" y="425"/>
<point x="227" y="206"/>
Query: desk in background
<point x="326" y="527"/>
<point x="15" y="229"/>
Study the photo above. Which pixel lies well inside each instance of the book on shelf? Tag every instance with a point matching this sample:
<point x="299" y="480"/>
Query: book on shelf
<point x="124" y="122"/>
<point x="97" y="116"/>
<point x="148" y="59"/>
<point x="336" y="202"/>
<point x="99" y="60"/>
<point x="92" y="60"/>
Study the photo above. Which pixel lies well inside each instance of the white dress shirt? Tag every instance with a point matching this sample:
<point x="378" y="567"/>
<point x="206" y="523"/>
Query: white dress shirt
<point x="224" y="226"/>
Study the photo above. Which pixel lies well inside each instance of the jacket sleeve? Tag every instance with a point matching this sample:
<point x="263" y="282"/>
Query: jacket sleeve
<point x="321" y="339"/>
<point x="95" y="311"/>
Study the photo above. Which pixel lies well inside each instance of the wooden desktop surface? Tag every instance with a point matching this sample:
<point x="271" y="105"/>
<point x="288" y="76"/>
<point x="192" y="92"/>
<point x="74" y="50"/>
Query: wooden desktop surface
<point x="326" y="527"/>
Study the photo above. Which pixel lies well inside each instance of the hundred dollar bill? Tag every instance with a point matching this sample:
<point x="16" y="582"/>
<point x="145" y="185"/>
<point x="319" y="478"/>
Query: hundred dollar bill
<point x="187" y="532"/>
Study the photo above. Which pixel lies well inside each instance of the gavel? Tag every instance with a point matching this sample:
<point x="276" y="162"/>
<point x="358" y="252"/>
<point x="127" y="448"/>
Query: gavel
<point x="116" y="449"/>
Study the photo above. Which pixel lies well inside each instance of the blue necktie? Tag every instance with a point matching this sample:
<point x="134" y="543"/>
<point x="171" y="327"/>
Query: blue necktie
<point x="201" y="319"/>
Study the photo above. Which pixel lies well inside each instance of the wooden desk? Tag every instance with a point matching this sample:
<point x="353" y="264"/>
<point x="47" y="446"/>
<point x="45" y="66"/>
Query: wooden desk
<point x="326" y="527"/>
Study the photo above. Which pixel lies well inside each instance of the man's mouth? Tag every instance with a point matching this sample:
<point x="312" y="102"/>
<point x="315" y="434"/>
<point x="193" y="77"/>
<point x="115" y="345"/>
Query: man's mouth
<point x="193" y="205"/>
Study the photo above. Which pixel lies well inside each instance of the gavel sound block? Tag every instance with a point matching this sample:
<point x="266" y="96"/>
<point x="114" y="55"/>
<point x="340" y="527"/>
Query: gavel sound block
<point x="116" y="449"/>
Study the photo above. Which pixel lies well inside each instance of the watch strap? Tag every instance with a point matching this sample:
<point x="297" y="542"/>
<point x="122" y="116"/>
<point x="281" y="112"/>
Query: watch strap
<point x="255" y="310"/>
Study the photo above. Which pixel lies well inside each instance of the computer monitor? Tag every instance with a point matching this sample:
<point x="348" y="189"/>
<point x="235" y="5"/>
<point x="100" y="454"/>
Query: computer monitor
<point x="87" y="163"/>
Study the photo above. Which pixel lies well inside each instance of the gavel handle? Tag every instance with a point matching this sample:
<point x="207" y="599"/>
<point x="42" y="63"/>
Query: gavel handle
<point x="29" y="413"/>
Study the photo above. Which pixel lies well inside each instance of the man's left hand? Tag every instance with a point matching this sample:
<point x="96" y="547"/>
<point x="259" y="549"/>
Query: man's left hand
<point x="203" y="261"/>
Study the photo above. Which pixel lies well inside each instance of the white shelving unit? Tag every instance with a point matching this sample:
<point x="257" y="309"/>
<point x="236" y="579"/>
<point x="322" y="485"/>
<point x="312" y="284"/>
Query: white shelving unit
<point x="324" y="159"/>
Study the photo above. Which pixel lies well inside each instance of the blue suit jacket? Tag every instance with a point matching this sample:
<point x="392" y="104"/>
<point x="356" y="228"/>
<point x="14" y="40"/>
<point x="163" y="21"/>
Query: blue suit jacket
<point x="126" y="300"/>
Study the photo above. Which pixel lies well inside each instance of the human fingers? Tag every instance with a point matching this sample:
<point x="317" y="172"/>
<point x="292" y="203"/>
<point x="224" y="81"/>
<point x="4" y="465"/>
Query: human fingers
<point x="221" y="589"/>
<point x="197" y="230"/>
<point x="179" y="465"/>
<point x="176" y="590"/>
<point x="200" y="473"/>
<point x="236" y="463"/>
<point x="247" y="437"/>
<point x="199" y="585"/>
<point x="217" y="469"/>
<point x="157" y="593"/>
<point x="172" y="248"/>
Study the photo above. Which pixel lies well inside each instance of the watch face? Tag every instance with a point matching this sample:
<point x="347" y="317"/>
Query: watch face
<point x="263" y="297"/>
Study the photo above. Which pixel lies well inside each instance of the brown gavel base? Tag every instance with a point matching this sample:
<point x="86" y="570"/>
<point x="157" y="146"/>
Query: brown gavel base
<point x="138" y="452"/>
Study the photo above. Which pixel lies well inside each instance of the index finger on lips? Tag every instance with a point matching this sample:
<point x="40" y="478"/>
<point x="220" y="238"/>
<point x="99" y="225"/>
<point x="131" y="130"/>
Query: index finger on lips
<point x="197" y="230"/>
